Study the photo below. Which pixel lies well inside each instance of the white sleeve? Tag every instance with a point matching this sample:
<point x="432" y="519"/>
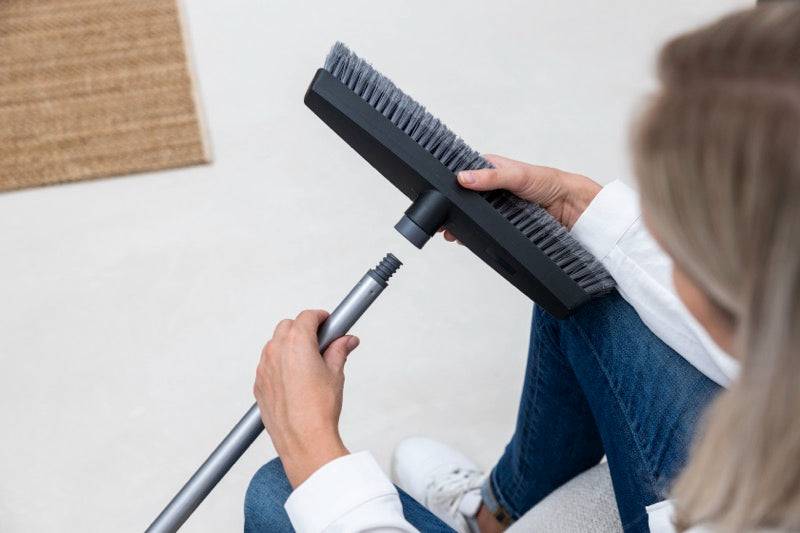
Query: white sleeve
<point x="350" y="494"/>
<point x="660" y="517"/>
<point x="612" y="229"/>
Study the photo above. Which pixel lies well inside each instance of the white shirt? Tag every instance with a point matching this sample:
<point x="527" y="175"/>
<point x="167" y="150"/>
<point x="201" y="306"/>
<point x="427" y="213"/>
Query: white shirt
<point x="352" y="494"/>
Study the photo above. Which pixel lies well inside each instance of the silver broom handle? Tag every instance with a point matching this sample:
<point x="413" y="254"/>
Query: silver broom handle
<point x="250" y="426"/>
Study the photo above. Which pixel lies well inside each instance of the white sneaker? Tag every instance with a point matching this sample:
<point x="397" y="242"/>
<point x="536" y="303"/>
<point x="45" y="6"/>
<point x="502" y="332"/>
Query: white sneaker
<point x="441" y="478"/>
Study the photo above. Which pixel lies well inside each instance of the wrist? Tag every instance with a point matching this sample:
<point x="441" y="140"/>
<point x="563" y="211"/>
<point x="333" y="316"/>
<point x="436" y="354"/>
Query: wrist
<point x="579" y="193"/>
<point x="309" y="454"/>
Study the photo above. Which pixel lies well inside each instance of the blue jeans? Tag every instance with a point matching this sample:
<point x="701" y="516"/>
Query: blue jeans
<point x="269" y="489"/>
<point x="598" y="383"/>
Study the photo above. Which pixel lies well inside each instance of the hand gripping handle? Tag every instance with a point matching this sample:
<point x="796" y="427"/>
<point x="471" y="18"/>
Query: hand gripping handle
<point x="247" y="430"/>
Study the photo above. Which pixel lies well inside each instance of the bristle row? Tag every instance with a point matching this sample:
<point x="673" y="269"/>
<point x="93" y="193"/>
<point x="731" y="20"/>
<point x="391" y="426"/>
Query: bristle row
<point x="403" y="111"/>
<point x="533" y="221"/>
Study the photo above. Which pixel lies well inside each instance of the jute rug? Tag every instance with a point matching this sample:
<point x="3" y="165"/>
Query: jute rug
<point x="92" y="88"/>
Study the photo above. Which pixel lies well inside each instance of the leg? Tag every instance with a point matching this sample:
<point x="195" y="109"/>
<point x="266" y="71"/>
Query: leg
<point x="269" y="489"/>
<point x="556" y="437"/>
<point x="598" y="382"/>
<point x="263" y="505"/>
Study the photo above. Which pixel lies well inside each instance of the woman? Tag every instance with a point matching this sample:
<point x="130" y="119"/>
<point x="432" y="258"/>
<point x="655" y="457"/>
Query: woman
<point x="632" y="375"/>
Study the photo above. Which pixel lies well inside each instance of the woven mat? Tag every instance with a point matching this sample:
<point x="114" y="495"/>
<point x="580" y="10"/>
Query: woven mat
<point x="92" y="88"/>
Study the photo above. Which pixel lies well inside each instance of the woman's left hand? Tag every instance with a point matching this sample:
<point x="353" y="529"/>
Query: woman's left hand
<point x="299" y="394"/>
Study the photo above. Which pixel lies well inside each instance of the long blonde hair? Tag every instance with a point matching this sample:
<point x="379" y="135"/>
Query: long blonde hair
<point x="717" y="156"/>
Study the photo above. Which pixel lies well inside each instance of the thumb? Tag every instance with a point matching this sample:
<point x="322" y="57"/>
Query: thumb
<point x="336" y="354"/>
<point x="510" y="178"/>
<point x="530" y="182"/>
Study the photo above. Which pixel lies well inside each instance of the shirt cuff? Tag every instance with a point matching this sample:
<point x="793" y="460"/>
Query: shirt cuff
<point x="608" y="217"/>
<point x="336" y="489"/>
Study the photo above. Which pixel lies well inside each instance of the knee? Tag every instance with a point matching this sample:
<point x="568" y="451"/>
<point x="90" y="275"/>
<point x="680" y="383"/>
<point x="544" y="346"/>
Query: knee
<point x="270" y="473"/>
<point x="607" y="307"/>
<point x="606" y="313"/>
<point x="267" y="493"/>
<point x="542" y="318"/>
<point x="544" y="326"/>
<point x="591" y="322"/>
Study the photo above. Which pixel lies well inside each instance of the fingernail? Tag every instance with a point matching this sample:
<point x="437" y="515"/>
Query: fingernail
<point x="466" y="178"/>
<point x="352" y="343"/>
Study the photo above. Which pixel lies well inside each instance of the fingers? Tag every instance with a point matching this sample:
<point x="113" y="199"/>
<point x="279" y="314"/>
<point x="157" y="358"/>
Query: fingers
<point x="305" y="325"/>
<point x="307" y="321"/>
<point x="310" y="320"/>
<point x="296" y="333"/>
<point x="301" y="331"/>
<point x="499" y="161"/>
<point x="336" y="354"/>
<point x="449" y="237"/>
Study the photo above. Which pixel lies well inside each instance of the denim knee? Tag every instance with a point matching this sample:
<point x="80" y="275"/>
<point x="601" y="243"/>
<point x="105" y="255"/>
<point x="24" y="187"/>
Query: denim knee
<point x="267" y="493"/>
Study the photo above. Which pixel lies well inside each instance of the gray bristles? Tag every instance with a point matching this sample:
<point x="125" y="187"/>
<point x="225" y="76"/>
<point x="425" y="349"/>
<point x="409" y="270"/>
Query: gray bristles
<point x="429" y="132"/>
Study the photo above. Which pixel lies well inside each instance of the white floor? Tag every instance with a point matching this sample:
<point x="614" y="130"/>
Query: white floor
<point x="133" y="310"/>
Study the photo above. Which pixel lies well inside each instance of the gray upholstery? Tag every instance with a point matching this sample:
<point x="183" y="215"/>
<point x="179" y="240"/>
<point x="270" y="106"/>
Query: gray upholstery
<point x="585" y="503"/>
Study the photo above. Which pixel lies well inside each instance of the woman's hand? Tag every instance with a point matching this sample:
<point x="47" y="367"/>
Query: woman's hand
<point x="563" y="194"/>
<point x="299" y="394"/>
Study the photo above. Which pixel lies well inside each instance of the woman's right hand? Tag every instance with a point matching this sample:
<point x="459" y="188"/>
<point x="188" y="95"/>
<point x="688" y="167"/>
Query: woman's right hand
<point x="563" y="194"/>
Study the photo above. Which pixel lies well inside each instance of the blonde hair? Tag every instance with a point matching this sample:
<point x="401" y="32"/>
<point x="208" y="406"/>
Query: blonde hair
<point x="717" y="155"/>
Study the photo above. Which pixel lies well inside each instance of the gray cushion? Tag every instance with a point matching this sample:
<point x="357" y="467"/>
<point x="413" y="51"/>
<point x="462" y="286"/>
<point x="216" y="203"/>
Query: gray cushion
<point x="585" y="503"/>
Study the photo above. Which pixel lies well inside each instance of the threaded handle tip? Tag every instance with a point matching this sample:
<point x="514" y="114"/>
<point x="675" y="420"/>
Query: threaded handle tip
<point x="387" y="267"/>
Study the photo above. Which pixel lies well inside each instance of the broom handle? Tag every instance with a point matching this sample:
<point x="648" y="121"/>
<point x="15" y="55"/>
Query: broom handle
<point x="250" y="426"/>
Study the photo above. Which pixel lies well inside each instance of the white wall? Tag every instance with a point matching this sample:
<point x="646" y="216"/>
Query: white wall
<point x="133" y="310"/>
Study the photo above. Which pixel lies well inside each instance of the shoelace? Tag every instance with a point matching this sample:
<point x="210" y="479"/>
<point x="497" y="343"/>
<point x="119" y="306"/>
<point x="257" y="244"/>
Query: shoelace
<point x="448" y="488"/>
